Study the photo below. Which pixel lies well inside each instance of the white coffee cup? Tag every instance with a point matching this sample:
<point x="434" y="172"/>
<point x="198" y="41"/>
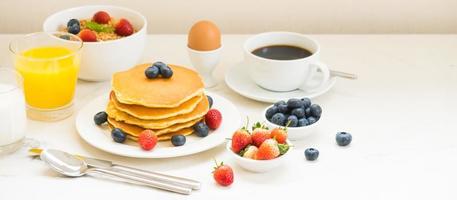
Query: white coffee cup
<point x="284" y="75"/>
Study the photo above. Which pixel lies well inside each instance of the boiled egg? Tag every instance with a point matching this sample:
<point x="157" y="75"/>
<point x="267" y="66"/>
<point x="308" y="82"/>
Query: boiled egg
<point x="204" y="36"/>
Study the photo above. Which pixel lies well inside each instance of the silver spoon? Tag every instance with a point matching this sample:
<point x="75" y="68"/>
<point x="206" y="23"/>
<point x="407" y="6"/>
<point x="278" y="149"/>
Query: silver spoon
<point x="70" y="165"/>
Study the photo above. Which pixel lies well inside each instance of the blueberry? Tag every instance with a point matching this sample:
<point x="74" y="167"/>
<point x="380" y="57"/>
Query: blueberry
<point x="311" y="120"/>
<point x="210" y="101"/>
<point x="166" y="72"/>
<point x="72" y="22"/>
<point x="282" y="108"/>
<point x="299" y="112"/>
<point x="311" y="154"/>
<point x="100" y="118"/>
<point x="292" y="120"/>
<point x="294" y="103"/>
<point x="343" y="138"/>
<point x="152" y="72"/>
<point x="280" y="103"/>
<point x="271" y="111"/>
<point x="178" y="140"/>
<point x="302" y="122"/>
<point x="201" y="129"/>
<point x="306" y="102"/>
<point x="316" y="110"/>
<point x="118" y="135"/>
<point x="65" y="37"/>
<point x="159" y="64"/>
<point x="278" y="119"/>
<point x="308" y="111"/>
<point x="74" y="29"/>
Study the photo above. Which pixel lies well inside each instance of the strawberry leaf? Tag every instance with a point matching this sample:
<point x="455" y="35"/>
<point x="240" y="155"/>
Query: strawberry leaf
<point x="283" y="148"/>
<point x="241" y="153"/>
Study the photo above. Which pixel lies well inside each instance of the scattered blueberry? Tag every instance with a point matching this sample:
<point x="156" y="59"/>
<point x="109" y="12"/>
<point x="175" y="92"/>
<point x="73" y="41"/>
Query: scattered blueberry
<point x="271" y="111"/>
<point x="65" y="37"/>
<point x="118" y="135"/>
<point x="159" y="64"/>
<point x="311" y="154"/>
<point x="201" y="129"/>
<point x="74" y="29"/>
<point x="302" y="122"/>
<point x="306" y="102"/>
<point x="282" y="108"/>
<point x="73" y="22"/>
<point x="178" y="140"/>
<point x="152" y="72"/>
<point x="316" y="110"/>
<point x="308" y="111"/>
<point x="294" y="103"/>
<point x="166" y="72"/>
<point x="100" y="118"/>
<point x="343" y="138"/>
<point x="280" y="103"/>
<point x="299" y="112"/>
<point x="210" y="101"/>
<point x="311" y="120"/>
<point x="292" y="120"/>
<point x="278" y="119"/>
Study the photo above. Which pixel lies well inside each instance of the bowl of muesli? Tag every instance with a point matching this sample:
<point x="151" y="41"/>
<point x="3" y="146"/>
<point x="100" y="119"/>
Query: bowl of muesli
<point x="114" y="37"/>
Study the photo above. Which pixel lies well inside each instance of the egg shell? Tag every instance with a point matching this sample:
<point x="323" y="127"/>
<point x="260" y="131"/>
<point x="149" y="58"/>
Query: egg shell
<point x="204" y="36"/>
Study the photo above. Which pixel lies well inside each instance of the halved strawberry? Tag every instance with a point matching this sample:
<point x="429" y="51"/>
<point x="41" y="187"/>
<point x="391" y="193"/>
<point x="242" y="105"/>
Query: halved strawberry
<point x="260" y="133"/>
<point x="123" y="28"/>
<point x="268" y="150"/>
<point x="101" y="17"/>
<point x="279" y="134"/>
<point x="240" y="140"/>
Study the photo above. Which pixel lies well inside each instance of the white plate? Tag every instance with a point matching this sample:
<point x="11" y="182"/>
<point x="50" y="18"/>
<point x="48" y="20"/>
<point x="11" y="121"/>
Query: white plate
<point x="237" y="78"/>
<point x="100" y="137"/>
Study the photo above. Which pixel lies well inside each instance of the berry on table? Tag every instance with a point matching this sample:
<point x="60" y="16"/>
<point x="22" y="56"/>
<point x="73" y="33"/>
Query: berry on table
<point x="100" y="118"/>
<point x="213" y="119"/>
<point x="101" y="17"/>
<point x="178" y="140"/>
<point x="123" y="28"/>
<point x="118" y="135"/>
<point x="201" y="129"/>
<point x="223" y="174"/>
<point x="147" y="140"/>
<point x="152" y="72"/>
<point x="278" y="119"/>
<point x="87" y="35"/>
<point x="343" y="138"/>
<point x="311" y="154"/>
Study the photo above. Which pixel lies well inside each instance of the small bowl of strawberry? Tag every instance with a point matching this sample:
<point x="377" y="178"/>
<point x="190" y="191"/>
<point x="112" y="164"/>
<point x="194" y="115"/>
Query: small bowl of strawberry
<point x="114" y="37"/>
<point x="261" y="149"/>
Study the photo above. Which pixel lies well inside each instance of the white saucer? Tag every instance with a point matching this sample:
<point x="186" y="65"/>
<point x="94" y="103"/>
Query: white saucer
<point x="237" y="78"/>
<point x="100" y="136"/>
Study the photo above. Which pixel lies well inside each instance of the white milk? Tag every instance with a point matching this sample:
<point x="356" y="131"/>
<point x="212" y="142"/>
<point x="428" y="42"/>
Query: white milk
<point x="13" y="117"/>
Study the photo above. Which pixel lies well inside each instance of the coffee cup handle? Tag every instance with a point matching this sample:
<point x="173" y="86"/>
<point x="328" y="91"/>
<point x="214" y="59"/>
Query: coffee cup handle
<point x="325" y="76"/>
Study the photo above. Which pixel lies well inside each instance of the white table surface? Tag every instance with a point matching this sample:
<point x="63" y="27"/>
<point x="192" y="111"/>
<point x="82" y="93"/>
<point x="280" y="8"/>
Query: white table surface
<point x="402" y="113"/>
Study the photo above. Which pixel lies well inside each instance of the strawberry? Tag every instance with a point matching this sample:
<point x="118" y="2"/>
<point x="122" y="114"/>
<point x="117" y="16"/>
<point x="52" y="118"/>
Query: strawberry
<point x="259" y="134"/>
<point x="279" y="134"/>
<point x="223" y="174"/>
<point x="87" y="35"/>
<point x="123" y="28"/>
<point x="240" y="140"/>
<point x="101" y="17"/>
<point x="249" y="152"/>
<point x="268" y="150"/>
<point x="213" y="119"/>
<point x="147" y="140"/>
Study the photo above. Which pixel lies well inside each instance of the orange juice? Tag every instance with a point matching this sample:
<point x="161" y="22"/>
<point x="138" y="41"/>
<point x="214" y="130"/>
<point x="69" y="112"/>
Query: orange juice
<point x="50" y="74"/>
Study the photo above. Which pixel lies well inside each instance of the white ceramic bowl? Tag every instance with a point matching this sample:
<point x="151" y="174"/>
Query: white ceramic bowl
<point x="293" y="133"/>
<point x="258" y="165"/>
<point x="101" y="59"/>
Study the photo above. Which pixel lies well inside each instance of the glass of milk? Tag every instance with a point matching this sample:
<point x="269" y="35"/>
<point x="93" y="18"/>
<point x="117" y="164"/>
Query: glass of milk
<point x="13" y="118"/>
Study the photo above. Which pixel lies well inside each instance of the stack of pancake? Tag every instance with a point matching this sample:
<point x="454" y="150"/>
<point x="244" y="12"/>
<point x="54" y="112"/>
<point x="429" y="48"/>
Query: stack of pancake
<point x="166" y="106"/>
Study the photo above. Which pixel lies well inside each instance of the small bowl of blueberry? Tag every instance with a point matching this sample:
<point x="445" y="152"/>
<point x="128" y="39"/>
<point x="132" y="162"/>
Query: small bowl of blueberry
<point x="300" y="116"/>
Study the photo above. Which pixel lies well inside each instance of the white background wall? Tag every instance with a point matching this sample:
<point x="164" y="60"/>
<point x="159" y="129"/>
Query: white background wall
<point x="249" y="16"/>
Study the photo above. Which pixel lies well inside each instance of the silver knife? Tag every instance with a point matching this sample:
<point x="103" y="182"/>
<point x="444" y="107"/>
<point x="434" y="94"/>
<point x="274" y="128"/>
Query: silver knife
<point x="105" y="164"/>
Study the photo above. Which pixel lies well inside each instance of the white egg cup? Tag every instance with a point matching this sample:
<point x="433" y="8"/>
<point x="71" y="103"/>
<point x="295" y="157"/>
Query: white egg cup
<point x="205" y="62"/>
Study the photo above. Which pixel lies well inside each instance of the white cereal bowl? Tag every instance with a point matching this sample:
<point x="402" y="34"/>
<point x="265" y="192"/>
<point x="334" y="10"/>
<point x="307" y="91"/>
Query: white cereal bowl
<point x="258" y="166"/>
<point x="293" y="133"/>
<point x="101" y="59"/>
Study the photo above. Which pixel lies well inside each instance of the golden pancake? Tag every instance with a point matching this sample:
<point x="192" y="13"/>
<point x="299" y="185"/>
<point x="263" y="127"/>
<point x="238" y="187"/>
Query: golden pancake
<point x="185" y="132"/>
<point x="199" y="111"/>
<point x="134" y="130"/>
<point x="142" y="112"/>
<point x="132" y="87"/>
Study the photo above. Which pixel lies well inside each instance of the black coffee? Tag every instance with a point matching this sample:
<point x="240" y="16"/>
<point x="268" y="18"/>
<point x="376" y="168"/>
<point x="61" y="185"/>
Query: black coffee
<point x="282" y="52"/>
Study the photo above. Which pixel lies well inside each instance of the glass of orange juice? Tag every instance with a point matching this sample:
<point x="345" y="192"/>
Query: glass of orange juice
<point x="49" y="64"/>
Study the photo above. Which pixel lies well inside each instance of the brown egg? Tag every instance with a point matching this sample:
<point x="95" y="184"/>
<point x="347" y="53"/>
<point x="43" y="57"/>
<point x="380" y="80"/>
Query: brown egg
<point x="204" y="36"/>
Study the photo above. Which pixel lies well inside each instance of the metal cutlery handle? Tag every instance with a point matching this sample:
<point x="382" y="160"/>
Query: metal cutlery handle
<point x="144" y="181"/>
<point x="189" y="183"/>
